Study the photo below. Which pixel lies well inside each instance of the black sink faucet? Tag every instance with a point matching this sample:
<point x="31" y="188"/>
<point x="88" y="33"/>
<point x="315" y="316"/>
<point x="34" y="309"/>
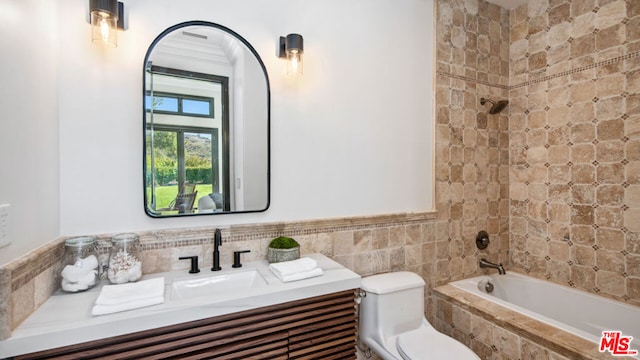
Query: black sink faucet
<point x="484" y="263"/>
<point x="217" y="241"/>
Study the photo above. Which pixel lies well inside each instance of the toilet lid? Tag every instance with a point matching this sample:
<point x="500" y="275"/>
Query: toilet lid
<point x="426" y="343"/>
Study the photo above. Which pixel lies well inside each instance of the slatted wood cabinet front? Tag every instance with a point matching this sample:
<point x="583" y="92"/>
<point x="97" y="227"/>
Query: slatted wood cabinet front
<point x="322" y="327"/>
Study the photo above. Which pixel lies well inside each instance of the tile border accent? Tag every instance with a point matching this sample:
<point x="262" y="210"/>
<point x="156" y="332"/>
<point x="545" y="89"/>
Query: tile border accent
<point x="154" y="240"/>
<point x="594" y="65"/>
<point x="27" y="267"/>
<point x="466" y="78"/>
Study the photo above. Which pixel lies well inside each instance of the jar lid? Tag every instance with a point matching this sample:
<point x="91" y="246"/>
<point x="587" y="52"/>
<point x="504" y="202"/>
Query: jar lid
<point x="80" y="241"/>
<point x="124" y="238"/>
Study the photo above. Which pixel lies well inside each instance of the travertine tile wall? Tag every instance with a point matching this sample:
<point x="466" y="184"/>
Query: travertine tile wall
<point x="556" y="181"/>
<point x="575" y="144"/>
<point x="367" y="245"/>
<point x="472" y="157"/>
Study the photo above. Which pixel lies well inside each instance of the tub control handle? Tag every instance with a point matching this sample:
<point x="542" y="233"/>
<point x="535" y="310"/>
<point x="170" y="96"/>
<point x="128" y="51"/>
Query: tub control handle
<point x="482" y="240"/>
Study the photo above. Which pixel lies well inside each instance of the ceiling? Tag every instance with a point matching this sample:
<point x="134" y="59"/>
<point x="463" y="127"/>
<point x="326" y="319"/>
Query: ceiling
<point x="508" y="4"/>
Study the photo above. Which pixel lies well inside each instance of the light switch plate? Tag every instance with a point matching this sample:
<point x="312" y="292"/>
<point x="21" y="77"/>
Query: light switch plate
<point x="4" y="225"/>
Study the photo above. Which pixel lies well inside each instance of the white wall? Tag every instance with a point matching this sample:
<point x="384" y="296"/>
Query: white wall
<point x="351" y="137"/>
<point x="29" y="160"/>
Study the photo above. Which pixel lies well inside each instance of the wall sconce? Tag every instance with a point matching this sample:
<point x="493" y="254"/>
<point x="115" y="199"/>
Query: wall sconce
<point x="292" y="48"/>
<point x="106" y="17"/>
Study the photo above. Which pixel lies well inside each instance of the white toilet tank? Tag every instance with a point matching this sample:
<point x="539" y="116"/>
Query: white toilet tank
<point x="394" y="304"/>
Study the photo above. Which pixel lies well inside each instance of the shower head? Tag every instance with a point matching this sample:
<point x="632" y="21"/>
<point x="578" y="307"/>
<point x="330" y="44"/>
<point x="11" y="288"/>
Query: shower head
<point x="496" y="107"/>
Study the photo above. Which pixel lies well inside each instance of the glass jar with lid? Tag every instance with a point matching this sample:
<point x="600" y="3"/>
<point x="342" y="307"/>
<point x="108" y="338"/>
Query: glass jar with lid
<point x="124" y="260"/>
<point x="80" y="270"/>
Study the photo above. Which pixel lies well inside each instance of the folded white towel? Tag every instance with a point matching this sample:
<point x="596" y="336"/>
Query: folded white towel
<point x="115" y="298"/>
<point x="300" y="275"/>
<point x="122" y="293"/>
<point x="135" y="304"/>
<point x="294" y="266"/>
<point x="299" y="269"/>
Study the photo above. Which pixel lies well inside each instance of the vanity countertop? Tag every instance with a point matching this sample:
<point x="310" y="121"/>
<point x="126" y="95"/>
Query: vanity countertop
<point x="65" y="318"/>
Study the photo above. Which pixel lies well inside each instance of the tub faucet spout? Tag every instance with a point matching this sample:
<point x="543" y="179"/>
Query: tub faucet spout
<point x="484" y="263"/>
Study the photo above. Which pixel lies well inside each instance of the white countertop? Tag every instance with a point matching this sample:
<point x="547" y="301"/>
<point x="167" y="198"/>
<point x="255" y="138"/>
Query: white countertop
<point x="65" y="318"/>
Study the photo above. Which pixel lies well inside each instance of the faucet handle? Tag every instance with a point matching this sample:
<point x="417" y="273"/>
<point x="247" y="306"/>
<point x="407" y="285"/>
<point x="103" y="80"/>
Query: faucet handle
<point x="236" y="258"/>
<point x="194" y="263"/>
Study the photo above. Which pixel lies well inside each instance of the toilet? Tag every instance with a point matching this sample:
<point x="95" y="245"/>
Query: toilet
<point x="392" y="321"/>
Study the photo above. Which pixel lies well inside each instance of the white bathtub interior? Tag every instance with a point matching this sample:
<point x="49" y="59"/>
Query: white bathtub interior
<point x="578" y="312"/>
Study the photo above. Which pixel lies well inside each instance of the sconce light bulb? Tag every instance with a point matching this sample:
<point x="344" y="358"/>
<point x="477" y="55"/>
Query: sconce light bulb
<point x="292" y="48"/>
<point x="104" y="30"/>
<point x="294" y="63"/>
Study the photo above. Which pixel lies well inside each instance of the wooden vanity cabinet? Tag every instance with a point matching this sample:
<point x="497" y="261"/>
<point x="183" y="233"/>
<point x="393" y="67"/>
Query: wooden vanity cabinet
<point x="322" y="327"/>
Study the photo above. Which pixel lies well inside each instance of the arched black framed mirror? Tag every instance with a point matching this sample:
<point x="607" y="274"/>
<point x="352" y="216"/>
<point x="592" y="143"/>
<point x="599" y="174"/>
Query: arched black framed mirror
<point x="206" y="118"/>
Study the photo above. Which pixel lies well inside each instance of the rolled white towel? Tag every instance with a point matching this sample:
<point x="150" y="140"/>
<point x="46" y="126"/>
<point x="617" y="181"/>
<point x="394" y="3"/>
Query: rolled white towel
<point x="89" y="279"/>
<point x="73" y="273"/>
<point x="88" y="263"/>
<point x="73" y="286"/>
<point x="83" y="283"/>
<point x="294" y="266"/>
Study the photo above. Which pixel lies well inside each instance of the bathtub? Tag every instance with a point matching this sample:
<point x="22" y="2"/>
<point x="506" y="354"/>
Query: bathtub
<point x="573" y="311"/>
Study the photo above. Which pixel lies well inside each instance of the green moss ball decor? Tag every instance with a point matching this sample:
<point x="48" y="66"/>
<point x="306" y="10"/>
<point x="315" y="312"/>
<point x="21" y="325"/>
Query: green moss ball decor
<point x="283" y="249"/>
<point x="283" y="242"/>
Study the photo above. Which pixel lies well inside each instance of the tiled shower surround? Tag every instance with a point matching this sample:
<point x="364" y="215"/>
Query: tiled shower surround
<point x="472" y="147"/>
<point x="565" y="154"/>
<point x="563" y="160"/>
<point x="575" y="144"/>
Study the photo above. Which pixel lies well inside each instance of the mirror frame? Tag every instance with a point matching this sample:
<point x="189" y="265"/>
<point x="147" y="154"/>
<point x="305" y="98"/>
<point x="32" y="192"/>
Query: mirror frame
<point x="144" y="124"/>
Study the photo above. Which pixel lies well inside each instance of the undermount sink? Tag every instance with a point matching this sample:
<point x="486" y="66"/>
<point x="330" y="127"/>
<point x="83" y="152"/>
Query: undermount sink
<point x="217" y="284"/>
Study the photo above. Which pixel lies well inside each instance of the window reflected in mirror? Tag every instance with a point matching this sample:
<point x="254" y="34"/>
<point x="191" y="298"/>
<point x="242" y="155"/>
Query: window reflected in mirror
<point x="206" y="117"/>
<point x="184" y="128"/>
